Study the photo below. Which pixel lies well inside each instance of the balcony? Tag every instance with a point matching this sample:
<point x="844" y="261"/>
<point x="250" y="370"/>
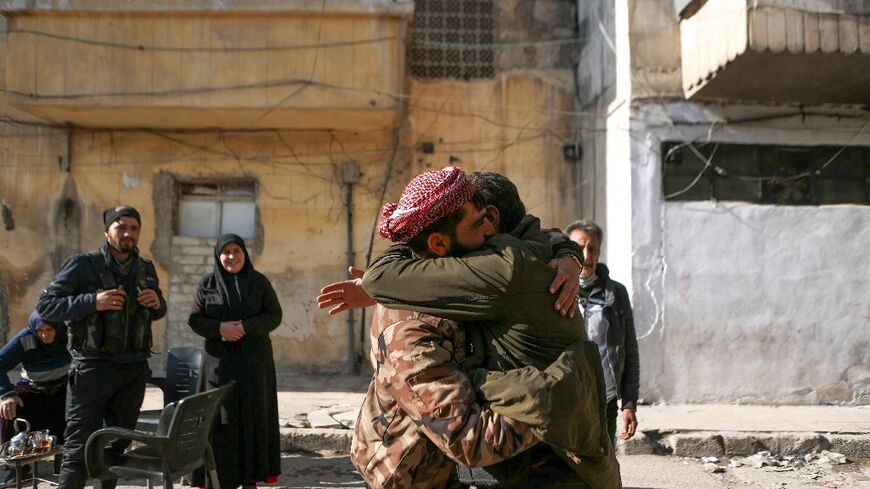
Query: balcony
<point x="773" y="51"/>
<point x="253" y="64"/>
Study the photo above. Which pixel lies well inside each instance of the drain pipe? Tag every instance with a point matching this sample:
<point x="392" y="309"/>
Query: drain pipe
<point x="350" y="176"/>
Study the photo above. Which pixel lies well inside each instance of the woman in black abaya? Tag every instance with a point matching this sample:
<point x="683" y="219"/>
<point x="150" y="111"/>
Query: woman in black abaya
<point x="235" y="309"/>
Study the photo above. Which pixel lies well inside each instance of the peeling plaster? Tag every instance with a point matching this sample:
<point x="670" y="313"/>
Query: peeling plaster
<point x="8" y="220"/>
<point x="128" y="181"/>
<point x="66" y="222"/>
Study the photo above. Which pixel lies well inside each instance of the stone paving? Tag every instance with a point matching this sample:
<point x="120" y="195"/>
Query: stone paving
<point x="694" y="430"/>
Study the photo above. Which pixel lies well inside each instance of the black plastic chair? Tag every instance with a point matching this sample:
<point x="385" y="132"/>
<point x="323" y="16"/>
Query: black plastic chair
<point x="183" y="368"/>
<point x="180" y="445"/>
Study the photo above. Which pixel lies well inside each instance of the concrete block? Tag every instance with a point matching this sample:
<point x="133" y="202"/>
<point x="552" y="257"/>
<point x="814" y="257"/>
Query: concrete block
<point x="196" y="270"/>
<point x="793" y="443"/>
<point x="315" y="440"/>
<point x="322" y="419"/>
<point x="639" y="444"/>
<point x="189" y="289"/>
<point x="190" y="240"/>
<point x="742" y="444"/>
<point x="696" y="445"/>
<point x="196" y="250"/>
<point x="188" y="259"/>
<point x="857" y="446"/>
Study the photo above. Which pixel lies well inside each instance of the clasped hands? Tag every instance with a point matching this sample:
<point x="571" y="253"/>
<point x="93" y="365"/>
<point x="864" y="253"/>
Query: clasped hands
<point x="232" y="330"/>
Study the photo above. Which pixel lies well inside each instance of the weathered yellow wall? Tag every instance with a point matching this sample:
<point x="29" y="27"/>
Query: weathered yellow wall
<point x="191" y="58"/>
<point x="206" y="70"/>
<point x="300" y="202"/>
<point x="515" y="124"/>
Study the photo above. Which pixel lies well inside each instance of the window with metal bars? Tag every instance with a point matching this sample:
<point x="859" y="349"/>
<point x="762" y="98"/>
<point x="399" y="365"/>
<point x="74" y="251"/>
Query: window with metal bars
<point x="766" y="174"/>
<point x="453" y="39"/>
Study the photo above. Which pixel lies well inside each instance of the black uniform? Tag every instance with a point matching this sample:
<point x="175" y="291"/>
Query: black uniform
<point x="110" y="349"/>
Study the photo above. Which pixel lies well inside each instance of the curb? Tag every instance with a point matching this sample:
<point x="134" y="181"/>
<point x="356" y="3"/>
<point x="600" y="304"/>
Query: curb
<point x="741" y="443"/>
<point x="683" y="444"/>
<point x="315" y="439"/>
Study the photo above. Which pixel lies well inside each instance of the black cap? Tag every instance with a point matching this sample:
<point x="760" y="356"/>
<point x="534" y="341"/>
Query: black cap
<point x="112" y="214"/>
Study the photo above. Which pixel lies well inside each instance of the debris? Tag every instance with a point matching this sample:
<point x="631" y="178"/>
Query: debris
<point x="713" y="468"/>
<point x="833" y="458"/>
<point x="296" y="423"/>
<point x="709" y="460"/>
<point x="322" y="419"/>
<point x="759" y="460"/>
<point x="346" y="418"/>
<point x="734" y="463"/>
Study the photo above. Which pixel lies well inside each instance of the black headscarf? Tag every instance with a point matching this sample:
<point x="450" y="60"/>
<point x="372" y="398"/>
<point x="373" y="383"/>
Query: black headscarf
<point x="233" y="287"/>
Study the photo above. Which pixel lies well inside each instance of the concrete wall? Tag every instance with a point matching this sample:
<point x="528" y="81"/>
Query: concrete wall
<point x="55" y="182"/>
<point x="764" y="303"/>
<point x="596" y="93"/>
<point x="742" y="302"/>
<point x="733" y="302"/>
<point x="515" y="125"/>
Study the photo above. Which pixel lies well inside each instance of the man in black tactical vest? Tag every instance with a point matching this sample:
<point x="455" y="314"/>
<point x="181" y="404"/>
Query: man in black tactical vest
<point x="108" y="298"/>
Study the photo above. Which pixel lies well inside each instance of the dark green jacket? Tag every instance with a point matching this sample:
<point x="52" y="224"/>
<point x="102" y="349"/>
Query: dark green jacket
<point x="502" y="290"/>
<point x="501" y="293"/>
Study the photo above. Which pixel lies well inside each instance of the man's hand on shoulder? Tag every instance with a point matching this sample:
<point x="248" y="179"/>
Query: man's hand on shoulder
<point x="566" y="285"/>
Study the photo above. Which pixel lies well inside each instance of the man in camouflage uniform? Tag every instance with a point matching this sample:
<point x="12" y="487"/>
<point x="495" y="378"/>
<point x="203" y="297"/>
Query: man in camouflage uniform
<point x="420" y="410"/>
<point x="543" y="370"/>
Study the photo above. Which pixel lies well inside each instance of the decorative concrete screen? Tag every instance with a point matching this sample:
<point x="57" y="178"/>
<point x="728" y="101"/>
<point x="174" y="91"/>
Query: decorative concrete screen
<point x="453" y="39"/>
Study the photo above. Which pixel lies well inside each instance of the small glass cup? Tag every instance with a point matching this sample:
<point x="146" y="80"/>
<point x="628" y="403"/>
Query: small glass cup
<point x="39" y="441"/>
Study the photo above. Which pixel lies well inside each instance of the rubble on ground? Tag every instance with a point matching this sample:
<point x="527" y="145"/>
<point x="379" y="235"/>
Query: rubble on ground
<point x="814" y="466"/>
<point x="334" y="417"/>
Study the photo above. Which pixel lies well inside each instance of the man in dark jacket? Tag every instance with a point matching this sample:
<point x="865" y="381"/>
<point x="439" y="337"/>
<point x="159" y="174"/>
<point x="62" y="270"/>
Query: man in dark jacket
<point x="108" y="298"/>
<point x="609" y="322"/>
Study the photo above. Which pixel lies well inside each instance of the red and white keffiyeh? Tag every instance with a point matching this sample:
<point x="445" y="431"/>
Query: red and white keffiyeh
<point x="427" y="198"/>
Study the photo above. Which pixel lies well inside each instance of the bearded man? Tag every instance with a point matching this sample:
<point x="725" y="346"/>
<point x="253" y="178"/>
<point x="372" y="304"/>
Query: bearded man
<point x="409" y="223"/>
<point x="109" y="298"/>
